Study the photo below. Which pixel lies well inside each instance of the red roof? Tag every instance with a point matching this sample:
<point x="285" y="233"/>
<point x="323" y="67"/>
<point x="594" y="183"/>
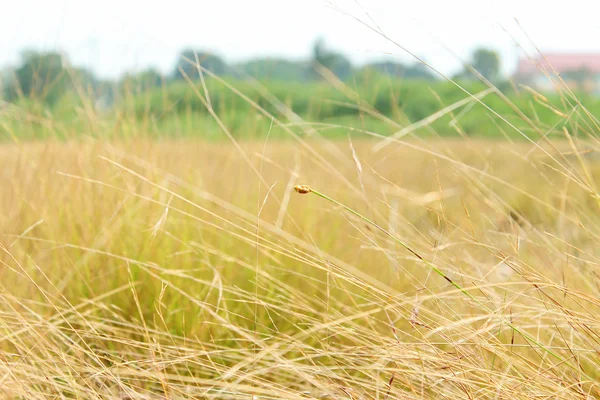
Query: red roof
<point x="562" y="62"/>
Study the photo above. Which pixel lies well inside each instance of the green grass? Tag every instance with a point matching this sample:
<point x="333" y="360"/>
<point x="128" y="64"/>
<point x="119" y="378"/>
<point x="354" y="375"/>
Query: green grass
<point x="403" y="102"/>
<point x="378" y="105"/>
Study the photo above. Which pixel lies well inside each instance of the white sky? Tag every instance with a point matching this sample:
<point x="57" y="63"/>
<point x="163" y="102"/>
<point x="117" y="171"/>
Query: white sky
<point x="112" y="36"/>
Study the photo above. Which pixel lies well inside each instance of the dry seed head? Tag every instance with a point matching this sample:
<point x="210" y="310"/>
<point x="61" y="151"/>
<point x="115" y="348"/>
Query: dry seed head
<point x="302" y="189"/>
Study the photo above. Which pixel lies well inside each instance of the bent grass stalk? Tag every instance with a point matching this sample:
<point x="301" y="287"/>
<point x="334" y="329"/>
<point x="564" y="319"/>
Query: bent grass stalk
<point x="305" y="189"/>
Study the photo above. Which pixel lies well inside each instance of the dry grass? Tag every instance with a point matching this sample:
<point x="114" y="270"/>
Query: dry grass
<point x="182" y="269"/>
<point x="421" y="269"/>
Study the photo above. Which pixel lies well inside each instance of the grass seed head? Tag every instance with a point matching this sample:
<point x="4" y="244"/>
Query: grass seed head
<point x="302" y="189"/>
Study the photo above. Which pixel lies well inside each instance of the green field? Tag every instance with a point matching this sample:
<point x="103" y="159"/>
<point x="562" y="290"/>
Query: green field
<point x="158" y="249"/>
<point x="330" y="109"/>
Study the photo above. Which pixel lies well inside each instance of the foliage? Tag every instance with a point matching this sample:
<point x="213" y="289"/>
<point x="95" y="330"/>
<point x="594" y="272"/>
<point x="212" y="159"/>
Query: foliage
<point x="380" y="96"/>
<point x="141" y="81"/>
<point x="399" y="70"/>
<point x="486" y="62"/>
<point x="333" y="61"/>
<point x="274" y="69"/>
<point x="403" y="101"/>
<point x="46" y="77"/>
<point x="40" y="76"/>
<point x="186" y="64"/>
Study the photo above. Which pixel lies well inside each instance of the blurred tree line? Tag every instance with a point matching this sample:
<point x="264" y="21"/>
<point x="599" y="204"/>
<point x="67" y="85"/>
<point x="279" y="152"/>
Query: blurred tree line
<point x="48" y="76"/>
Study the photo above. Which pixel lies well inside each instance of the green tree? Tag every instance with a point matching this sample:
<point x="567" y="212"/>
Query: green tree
<point x="46" y="77"/>
<point x="187" y="63"/>
<point x="392" y="68"/>
<point x="41" y="75"/>
<point x="386" y="68"/>
<point x="335" y="62"/>
<point x="6" y="80"/>
<point x="141" y="81"/>
<point x="487" y="63"/>
<point x="274" y="69"/>
<point x="419" y="71"/>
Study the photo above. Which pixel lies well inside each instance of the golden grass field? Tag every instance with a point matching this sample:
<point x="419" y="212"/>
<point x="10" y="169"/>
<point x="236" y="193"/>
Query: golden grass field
<point x="168" y="269"/>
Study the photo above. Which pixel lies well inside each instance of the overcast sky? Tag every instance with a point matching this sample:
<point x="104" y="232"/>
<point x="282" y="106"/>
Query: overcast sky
<point x="112" y="36"/>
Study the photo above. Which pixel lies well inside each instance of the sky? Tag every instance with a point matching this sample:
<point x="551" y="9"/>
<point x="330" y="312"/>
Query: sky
<point x="114" y="36"/>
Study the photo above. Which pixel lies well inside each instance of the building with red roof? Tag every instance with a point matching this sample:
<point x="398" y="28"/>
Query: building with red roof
<point x="580" y="71"/>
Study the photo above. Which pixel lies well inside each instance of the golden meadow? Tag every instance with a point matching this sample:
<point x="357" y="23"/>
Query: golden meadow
<point x="141" y="263"/>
